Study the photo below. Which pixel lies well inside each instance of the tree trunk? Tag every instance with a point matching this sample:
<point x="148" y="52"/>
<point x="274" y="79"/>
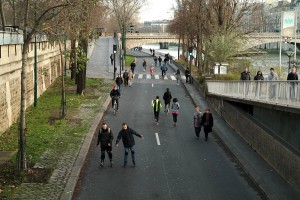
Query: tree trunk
<point x="3" y="22"/>
<point x="63" y="92"/>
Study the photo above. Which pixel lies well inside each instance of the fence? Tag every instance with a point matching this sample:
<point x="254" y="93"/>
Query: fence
<point x="285" y="93"/>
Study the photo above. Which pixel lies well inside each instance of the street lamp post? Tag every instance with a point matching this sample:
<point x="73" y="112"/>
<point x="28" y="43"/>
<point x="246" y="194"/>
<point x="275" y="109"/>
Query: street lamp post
<point x="289" y="54"/>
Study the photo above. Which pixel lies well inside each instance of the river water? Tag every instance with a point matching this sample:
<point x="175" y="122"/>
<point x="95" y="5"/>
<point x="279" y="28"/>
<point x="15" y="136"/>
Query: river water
<point x="261" y="62"/>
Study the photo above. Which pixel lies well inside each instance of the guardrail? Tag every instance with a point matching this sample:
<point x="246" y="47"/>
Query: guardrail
<point x="286" y="93"/>
<point x="8" y="38"/>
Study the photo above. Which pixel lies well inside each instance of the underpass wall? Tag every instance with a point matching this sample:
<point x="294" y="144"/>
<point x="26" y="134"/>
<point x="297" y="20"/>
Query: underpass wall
<point x="49" y="68"/>
<point x="281" y="155"/>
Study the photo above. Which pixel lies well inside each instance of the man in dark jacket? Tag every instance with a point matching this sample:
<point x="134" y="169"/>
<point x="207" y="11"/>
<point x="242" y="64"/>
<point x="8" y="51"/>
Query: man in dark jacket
<point x="245" y="75"/>
<point x="132" y="66"/>
<point x="208" y="122"/>
<point x="105" y="138"/>
<point x="115" y="94"/>
<point x="293" y="76"/>
<point x="119" y="82"/>
<point x="187" y="74"/>
<point x="167" y="98"/>
<point x="126" y="134"/>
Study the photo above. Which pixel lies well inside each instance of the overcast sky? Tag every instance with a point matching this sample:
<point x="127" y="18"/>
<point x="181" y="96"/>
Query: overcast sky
<point x="157" y="10"/>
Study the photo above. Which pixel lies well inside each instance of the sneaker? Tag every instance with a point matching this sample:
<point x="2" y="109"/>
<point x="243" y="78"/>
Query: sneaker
<point x="157" y="123"/>
<point x="102" y="163"/>
<point x="111" y="163"/>
<point x="133" y="163"/>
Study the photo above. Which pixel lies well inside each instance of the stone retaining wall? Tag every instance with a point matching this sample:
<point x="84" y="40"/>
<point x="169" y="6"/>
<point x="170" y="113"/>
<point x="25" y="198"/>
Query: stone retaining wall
<point x="49" y="69"/>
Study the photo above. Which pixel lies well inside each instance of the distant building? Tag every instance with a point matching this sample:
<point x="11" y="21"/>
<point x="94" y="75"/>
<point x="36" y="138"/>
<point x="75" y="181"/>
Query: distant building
<point x="160" y="26"/>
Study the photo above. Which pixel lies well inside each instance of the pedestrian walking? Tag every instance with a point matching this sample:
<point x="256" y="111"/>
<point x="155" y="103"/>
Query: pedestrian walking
<point x="111" y="59"/>
<point x="208" y="122"/>
<point x="132" y="66"/>
<point x="155" y="61"/>
<point x="125" y="77"/>
<point x="156" y="105"/>
<point x="151" y="70"/>
<point x="126" y="134"/>
<point x="105" y="138"/>
<point x="197" y="121"/>
<point x="293" y="77"/>
<point x="167" y="99"/>
<point x="175" y="110"/>
<point x="119" y="82"/>
<point x="151" y="51"/>
<point x="273" y="85"/>
<point x="177" y="74"/>
<point x="159" y="60"/>
<point x="130" y="78"/>
<point x="144" y="65"/>
<point x="187" y="74"/>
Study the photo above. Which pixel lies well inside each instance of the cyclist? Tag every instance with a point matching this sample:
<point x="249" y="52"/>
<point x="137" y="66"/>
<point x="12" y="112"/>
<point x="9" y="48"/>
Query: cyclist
<point x="163" y="69"/>
<point x="167" y="98"/>
<point x="115" y="95"/>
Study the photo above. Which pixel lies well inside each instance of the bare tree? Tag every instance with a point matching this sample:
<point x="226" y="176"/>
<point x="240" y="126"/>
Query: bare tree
<point x="28" y="34"/>
<point x="124" y="10"/>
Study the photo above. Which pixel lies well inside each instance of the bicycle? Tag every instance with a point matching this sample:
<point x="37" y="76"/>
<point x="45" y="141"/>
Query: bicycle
<point x="115" y="105"/>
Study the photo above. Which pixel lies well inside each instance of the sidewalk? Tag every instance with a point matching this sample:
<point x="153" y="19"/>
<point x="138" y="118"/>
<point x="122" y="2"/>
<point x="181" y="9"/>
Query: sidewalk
<point x="271" y="184"/>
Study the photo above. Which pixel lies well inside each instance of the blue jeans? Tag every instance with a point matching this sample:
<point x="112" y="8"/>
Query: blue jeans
<point x="126" y="153"/>
<point x="119" y="88"/>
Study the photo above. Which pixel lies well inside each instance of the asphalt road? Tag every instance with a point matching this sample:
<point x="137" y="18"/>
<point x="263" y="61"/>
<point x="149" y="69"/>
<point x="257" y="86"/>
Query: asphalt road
<point x="181" y="167"/>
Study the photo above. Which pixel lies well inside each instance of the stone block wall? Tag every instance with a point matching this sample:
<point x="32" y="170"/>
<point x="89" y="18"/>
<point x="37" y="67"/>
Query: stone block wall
<point x="49" y="68"/>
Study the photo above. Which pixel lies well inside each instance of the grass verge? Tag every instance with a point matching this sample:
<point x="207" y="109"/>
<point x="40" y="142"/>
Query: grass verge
<point x="47" y="132"/>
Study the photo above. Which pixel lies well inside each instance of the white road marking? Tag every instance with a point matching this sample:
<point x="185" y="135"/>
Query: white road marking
<point x="157" y="139"/>
<point x="165" y="78"/>
<point x="173" y="78"/>
<point x="156" y="76"/>
<point x="140" y="76"/>
<point x="148" y="76"/>
<point x="152" y="84"/>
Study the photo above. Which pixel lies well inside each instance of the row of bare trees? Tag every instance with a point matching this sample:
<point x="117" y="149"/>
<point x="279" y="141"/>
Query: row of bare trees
<point x="211" y="27"/>
<point x="60" y="19"/>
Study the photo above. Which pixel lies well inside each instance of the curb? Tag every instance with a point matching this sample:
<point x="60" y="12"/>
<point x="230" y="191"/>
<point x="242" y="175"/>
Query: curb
<point x="82" y="154"/>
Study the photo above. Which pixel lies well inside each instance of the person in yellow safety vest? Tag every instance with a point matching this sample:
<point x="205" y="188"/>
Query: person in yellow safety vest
<point x="156" y="105"/>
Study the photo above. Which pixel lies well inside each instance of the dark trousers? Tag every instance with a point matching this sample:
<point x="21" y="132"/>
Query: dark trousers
<point x="125" y="81"/>
<point x="112" y="102"/>
<point x="156" y="115"/>
<point x="206" y="134"/>
<point x="197" y="131"/>
<point x="174" y="117"/>
<point x="108" y="150"/>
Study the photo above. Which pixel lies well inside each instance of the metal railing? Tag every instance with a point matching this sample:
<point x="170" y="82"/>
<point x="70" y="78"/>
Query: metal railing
<point x="285" y="93"/>
<point x="8" y="38"/>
